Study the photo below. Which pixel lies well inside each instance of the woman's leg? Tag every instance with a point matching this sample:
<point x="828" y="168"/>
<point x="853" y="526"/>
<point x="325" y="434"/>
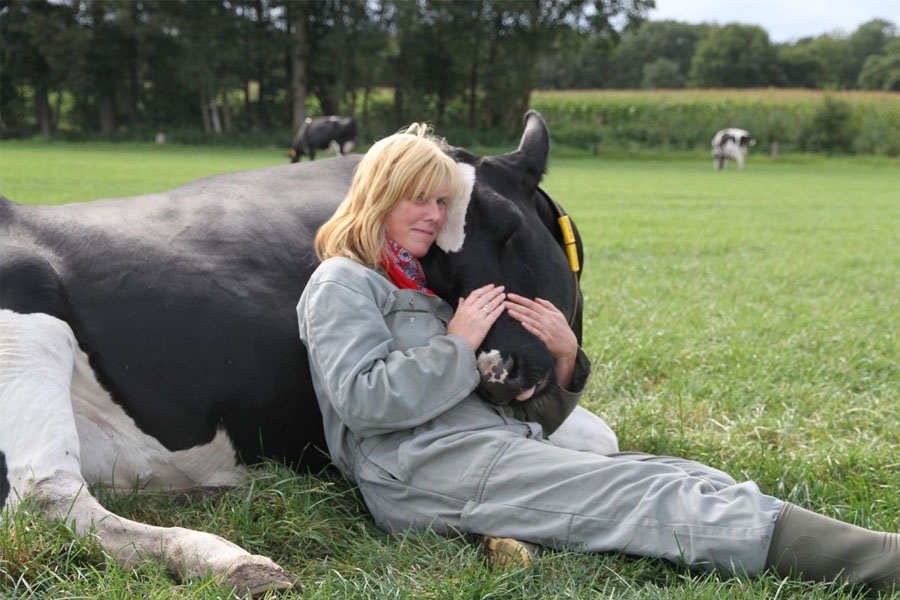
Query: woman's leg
<point x="533" y="491"/>
<point x="637" y="504"/>
<point x="715" y="477"/>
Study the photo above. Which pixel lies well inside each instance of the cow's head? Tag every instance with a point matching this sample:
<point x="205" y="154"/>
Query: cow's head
<point x="511" y="237"/>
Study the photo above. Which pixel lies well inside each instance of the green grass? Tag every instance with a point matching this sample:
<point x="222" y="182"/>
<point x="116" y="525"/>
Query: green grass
<point x="748" y="320"/>
<point x="60" y="172"/>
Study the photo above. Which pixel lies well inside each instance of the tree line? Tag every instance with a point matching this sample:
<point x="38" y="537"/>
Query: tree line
<point x="671" y="55"/>
<point x="128" y="68"/>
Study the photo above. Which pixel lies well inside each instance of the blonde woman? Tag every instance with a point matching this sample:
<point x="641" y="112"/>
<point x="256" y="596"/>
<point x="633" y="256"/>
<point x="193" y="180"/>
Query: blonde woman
<point x="394" y="370"/>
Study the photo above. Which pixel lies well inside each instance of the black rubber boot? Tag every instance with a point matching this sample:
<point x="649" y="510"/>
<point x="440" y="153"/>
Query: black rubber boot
<point x="810" y="546"/>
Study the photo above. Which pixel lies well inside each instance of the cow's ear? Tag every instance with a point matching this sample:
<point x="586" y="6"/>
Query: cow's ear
<point x="534" y="147"/>
<point x="529" y="160"/>
<point x="453" y="233"/>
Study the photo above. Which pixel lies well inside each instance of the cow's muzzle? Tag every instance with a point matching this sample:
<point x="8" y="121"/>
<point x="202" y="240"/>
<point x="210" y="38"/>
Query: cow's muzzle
<point x="502" y="379"/>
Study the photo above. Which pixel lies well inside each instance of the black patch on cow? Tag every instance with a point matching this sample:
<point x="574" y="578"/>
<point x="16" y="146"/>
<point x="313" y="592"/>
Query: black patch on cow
<point x="184" y="302"/>
<point x="30" y="283"/>
<point x="4" y="480"/>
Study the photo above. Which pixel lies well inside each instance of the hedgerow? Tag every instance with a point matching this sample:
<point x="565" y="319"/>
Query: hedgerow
<point x="804" y="120"/>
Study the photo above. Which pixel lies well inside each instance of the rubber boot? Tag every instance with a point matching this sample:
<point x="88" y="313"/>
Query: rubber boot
<point x="812" y="547"/>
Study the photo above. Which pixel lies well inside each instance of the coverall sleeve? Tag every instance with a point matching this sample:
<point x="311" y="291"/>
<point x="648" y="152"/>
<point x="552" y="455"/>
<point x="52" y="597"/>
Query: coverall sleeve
<point x="374" y="388"/>
<point x="552" y="407"/>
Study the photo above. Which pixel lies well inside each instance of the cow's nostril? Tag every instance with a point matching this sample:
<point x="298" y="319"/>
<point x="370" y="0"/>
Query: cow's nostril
<point x="501" y="379"/>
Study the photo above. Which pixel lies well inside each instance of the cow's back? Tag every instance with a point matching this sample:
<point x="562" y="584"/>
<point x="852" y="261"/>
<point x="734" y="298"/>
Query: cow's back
<point x="202" y="280"/>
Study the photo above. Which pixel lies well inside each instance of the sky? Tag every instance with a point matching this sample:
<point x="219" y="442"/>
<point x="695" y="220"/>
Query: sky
<point x="785" y="20"/>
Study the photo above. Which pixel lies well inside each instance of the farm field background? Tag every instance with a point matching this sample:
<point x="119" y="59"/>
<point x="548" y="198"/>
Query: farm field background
<point x="748" y="320"/>
<point x="806" y="120"/>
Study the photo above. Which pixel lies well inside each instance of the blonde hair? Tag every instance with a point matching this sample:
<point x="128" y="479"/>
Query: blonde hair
<point x="399" y="167"/>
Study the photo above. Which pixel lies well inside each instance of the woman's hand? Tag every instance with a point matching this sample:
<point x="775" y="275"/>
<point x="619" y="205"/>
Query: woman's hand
<point x="544" y="321"/>
<point x="477" y="313"/>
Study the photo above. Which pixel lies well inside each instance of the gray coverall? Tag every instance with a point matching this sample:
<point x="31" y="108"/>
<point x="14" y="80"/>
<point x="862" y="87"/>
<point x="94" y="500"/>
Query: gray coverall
<point x="402" y="422"/>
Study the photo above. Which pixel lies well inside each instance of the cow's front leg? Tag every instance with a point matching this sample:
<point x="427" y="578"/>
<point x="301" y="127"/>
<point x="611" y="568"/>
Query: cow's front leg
<point x="40" y="449"/>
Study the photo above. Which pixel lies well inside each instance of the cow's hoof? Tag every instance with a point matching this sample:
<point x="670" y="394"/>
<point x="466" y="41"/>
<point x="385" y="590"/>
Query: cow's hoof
<point x="251" y="579"/>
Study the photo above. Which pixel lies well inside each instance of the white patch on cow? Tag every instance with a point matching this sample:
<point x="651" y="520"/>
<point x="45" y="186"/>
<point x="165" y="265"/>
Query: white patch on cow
<point x="585" y="431"/>
<point x="115" y="453"/>
<point x="336" y="148"/>
<point x="488" y="363"/>
<point x="46" y="443"/>
<point x="526" y="394"/>
<point x="453" y="233"/>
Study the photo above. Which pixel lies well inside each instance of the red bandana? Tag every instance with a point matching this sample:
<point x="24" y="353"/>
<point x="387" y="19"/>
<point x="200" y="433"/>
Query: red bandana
<point x="403" y="269"/>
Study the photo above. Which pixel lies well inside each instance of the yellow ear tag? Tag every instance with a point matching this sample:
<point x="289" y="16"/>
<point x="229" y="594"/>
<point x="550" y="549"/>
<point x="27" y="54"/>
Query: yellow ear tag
<point x="565" y="224"/>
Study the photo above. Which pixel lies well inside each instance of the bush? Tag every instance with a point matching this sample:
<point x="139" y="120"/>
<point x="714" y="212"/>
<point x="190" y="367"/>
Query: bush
<point x="831" y="129"/>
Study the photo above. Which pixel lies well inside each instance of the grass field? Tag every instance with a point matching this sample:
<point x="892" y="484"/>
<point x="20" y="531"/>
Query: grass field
<point x="748" y="320"/>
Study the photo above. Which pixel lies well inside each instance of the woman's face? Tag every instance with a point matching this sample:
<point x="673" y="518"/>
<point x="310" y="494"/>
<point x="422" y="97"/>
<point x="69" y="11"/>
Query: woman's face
<point x="415" y="222"/>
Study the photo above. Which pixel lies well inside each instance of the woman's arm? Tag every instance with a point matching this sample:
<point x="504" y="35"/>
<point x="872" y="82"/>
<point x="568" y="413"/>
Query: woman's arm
<point x="554" y="406"/>
<point x="374" y="387"/>
<point x="543" y="320"/>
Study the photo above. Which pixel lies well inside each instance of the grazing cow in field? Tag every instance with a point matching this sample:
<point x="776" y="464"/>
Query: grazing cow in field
<point x="319" y="133"/>
<point x="152" y="341"/>
<point x="731" y="143"/>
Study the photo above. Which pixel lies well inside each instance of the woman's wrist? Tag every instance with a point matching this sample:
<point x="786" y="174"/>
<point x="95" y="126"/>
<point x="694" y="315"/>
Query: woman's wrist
<point x="565" y="369"/>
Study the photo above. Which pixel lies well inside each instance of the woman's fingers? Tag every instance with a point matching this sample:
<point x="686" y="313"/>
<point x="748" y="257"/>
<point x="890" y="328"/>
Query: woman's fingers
<point x="476" y="313"/>
<point x="544" y="321"/>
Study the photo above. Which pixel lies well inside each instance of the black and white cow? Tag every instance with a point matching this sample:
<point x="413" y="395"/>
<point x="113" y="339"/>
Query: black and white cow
<point x="152" y="341"/>
<point x="319" y="133"/>
<point x="731" y="143"/>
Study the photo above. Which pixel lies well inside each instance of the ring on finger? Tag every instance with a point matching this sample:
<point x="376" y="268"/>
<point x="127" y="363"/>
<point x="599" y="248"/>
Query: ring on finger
<point x="485" y="309"/>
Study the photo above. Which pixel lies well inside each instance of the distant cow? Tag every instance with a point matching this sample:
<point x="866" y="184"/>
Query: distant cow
<point x="319" y="133"/>
<point x="731" y="143"/>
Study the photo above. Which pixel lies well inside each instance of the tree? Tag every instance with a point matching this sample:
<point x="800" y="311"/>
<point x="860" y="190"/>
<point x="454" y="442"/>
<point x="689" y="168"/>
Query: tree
<point x="111" y="62"/>
<point x="114" y="67"/>
<point x="41" y="46"/>
<point x="662" y="73"/>
<point x="869" y="39"/>
<point x="519" y="32"/>
<point x="832" y="53"/>
<point x="299" y="57"/>
<point x="494" y="45"/>
<point x="580" y="60"/>
<point x="831" y="128"/>
<point x="882" y="71"/>
<point x="734" y="56"/>
<point x="650" y="42"/>
<point x="344" y="37"/>
<point x="800" y="67"/>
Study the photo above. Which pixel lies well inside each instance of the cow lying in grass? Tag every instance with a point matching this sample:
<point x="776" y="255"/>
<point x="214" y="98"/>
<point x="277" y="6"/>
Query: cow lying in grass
<point x="152" y="341"/>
